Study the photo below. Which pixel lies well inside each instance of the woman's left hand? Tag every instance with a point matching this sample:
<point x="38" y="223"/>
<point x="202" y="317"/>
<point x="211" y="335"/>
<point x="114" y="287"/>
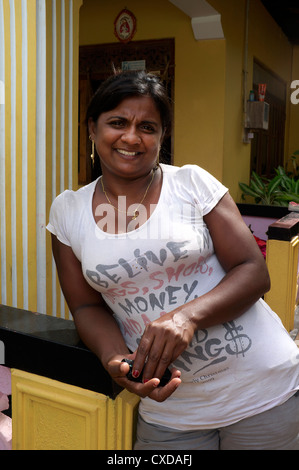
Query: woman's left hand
<point x="150" y="388"/>
<point x="162" y="342"/>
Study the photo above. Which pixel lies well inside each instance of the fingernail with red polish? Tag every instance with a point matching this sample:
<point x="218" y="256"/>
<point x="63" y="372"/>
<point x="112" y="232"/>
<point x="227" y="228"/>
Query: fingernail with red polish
<point x="135" y="374"/>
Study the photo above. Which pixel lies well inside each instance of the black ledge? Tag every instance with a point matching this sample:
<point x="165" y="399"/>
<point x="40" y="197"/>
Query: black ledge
<point x="260" y="210"/>
<point x="50" y="347"/>
<point x="285" y="228"/>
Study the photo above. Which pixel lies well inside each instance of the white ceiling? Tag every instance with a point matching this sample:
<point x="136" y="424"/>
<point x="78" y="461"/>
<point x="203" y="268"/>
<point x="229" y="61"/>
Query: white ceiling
<point x="205" y="20"/>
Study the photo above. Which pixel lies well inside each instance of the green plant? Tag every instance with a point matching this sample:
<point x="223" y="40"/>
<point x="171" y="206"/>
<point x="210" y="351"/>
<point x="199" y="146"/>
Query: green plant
<point x="278" y="191"/>
<point x="294" y="164"/>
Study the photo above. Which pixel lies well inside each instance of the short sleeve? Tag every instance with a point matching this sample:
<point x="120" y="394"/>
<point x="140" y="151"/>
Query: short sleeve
<point x="57" y="219"/>
<point x="207" y="189"/>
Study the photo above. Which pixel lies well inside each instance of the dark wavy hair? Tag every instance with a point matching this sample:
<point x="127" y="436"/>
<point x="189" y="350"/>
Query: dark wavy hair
<point x="128" y="84"/>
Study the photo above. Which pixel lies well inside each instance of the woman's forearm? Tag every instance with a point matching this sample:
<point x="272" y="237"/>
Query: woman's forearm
<point x="100" y="333"/>
<point x="235" y="294"/>
<point x="168" y="336"/>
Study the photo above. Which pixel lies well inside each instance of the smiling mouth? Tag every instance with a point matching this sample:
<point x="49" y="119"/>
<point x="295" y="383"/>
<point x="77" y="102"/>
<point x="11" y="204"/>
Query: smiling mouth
<point x="127" y="153"/>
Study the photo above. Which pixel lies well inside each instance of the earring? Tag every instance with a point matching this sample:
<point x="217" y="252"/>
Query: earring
<point x="92" y="151"/>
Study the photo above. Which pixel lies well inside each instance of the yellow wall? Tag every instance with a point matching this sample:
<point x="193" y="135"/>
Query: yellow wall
<point x="268" y="45"/>
<point x="236" y="154"/>
<point x="208" y="119"/>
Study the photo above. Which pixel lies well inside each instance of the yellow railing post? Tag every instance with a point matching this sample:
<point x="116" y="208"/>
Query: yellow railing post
<point x="51" y="415"/>
<point x="62" y="397"/>
<point x="282" y="262"/>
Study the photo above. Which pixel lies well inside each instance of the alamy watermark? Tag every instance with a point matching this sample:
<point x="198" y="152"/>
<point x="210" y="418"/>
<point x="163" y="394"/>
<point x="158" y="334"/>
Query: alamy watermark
<point x="295" y="94"/>
<point x="2" y="353"/>
<point x="1" y="92"/>
<point x="132" y="220"/>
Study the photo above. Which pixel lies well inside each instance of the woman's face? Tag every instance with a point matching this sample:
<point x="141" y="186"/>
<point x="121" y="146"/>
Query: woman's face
<point x="128" y="138"/>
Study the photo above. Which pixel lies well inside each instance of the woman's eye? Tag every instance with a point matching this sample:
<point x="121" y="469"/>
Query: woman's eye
<point x="117" y="123"/>
<point x="148" y="128"/>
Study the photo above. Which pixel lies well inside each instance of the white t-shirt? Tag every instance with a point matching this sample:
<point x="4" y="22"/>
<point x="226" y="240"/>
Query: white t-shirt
<point x="230" y="371"/>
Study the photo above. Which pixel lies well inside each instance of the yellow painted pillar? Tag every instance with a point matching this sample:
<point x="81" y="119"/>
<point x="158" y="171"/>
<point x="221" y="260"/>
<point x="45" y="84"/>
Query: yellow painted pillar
<point x="39" y="44"/>
<point x="282" y="262"/>
<point x="61" y="134"/>
<point x="17" y="152"/>
<point x="51" y="415"/>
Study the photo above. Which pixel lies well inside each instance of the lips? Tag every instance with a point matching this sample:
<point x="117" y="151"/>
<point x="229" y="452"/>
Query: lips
<point x="127" y="153"/>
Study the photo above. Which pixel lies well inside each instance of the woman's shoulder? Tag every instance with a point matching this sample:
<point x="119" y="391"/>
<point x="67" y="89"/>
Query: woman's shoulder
<point x="67" y="211"/>
<point x="186" y="171"/>
<point x="196" y="184"/>
<point x="75" y="198"/>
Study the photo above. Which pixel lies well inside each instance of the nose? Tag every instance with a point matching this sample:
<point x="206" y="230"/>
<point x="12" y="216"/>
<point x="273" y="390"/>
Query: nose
<point x="131" y="136"/>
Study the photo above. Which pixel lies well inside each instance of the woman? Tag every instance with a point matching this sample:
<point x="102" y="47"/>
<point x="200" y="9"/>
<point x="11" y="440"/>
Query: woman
<point x="157" y="266"/>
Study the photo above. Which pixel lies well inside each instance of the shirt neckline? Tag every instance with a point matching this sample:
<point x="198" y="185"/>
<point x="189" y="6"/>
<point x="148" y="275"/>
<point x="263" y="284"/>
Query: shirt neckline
<point x="137" y="230"/>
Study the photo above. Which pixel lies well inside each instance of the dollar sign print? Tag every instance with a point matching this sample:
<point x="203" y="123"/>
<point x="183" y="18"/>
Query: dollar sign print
<point x="238" y="343"/>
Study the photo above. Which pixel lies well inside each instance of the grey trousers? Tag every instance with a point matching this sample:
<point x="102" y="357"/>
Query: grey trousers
<point x="275" y="429"/>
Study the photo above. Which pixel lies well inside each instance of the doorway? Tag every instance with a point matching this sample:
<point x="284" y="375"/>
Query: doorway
<point x="267" y="148"/>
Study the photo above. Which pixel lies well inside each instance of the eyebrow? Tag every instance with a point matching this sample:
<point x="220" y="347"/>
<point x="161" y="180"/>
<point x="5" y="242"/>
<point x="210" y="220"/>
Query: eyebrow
<point x="145" y="121"/>
<point x="153" y="123"/>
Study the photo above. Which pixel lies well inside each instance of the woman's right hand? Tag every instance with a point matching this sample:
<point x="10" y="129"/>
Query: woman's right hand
<point x="118" y="371"/>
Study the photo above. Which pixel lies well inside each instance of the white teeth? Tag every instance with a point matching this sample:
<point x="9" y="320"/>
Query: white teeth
<point x="124" y="152"/>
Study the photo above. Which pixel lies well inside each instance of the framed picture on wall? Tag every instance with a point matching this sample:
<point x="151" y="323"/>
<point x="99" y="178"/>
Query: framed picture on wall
<point x="125" y="26"/>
